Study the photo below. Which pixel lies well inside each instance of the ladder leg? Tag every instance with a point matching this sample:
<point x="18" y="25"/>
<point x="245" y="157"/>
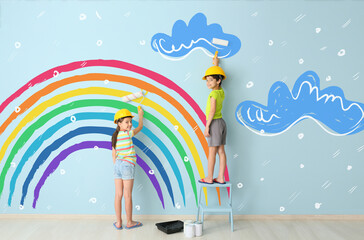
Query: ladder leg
<point x="198" y="212"/>
<point x="199" y="194"/>
<point x="232" y="221"/>
<point x="199" y="202"/>
<point x="231" y="211"/>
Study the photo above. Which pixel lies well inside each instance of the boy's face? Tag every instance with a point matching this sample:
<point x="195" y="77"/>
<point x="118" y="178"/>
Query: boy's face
<point x="125" y="124"/>
<point x="211" y="82"/>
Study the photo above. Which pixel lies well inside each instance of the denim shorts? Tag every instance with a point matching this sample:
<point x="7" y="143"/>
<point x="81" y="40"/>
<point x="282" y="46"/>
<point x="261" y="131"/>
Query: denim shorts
<point x="123" y="170"/>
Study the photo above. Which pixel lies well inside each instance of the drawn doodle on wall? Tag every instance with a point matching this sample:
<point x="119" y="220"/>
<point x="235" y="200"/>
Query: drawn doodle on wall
<point x="196" y="35"/>
<point x="327" y="107"/>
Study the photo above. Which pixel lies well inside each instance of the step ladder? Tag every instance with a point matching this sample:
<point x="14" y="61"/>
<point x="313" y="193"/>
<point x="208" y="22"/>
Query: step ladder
<point x="226" y="208"/>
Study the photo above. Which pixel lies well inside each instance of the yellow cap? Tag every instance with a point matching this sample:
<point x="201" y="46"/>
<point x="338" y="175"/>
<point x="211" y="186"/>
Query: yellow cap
<point x="121" y="114"/>
<point x="214" y="70"/>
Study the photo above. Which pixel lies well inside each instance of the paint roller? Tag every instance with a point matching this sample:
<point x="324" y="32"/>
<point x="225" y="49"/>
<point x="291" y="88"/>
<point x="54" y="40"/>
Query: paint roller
<point x="221" y="42"/>
<point x="134" y="96"/>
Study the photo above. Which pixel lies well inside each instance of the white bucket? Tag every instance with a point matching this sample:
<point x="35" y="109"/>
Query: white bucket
<point x="198" y="229"/>
<point x="187" y="222"/>
<point x="189" y="230"/>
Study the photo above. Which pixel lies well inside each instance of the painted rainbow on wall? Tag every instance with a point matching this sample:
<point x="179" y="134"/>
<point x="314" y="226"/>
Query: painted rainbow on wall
<point x="38" y="115"/>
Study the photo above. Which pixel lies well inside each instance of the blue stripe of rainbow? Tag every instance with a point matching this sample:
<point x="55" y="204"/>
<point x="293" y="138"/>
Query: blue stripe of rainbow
<point x="89" y="130"/>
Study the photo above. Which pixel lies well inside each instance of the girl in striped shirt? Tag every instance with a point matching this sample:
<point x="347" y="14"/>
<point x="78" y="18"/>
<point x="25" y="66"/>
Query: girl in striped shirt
<point x="124" y="157"/>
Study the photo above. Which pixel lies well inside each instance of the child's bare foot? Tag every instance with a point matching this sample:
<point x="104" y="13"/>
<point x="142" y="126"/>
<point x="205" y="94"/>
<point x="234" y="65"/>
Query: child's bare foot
<point x="219" y="180"/>
<point x="206" y="180"/>
<point x="133" y="224"/>
<point x="118" y="225"/>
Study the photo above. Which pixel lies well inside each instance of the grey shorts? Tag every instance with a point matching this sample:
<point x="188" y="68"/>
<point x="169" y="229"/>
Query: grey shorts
<point x="124" y="170"/>
<point x="217" y="133"/>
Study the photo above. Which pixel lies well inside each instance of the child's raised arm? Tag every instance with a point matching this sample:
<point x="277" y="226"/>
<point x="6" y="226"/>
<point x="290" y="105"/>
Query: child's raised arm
<point x="215" y="61"/>
<point x="140" y="126"/>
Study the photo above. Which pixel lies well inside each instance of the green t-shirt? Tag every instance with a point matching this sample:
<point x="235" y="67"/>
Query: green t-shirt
<point x="219" y="95"/>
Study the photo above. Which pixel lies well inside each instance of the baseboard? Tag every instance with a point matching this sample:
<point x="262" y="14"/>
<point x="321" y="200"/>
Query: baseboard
<point x="301" y="217"/>
<point x="185" y="217"/>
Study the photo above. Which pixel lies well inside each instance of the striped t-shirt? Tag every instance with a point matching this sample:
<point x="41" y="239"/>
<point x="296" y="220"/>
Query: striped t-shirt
<point x="125" y="148"/>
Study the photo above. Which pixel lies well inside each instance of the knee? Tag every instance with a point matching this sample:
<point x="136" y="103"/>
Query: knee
<point x="119" y="196"/>
<point x="221" y="151"/>
<point x="127" y="195"/>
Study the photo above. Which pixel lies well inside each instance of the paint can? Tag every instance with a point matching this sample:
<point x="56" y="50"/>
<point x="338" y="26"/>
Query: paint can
<point x="189" y="230"/>
<point x="198" y="229"/>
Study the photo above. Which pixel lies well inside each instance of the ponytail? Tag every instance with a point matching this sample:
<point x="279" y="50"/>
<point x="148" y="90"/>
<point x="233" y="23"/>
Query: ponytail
<point x="114" y="137"/>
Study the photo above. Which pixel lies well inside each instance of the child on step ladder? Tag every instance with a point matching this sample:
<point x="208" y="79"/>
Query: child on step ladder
<point x="215" y="130"/>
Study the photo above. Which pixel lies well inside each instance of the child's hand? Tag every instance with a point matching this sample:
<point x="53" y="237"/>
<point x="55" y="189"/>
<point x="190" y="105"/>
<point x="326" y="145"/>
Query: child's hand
<point x="206" y="133"/>
<point x="140" y="112"/>
<point x="215" y="61"/>
<point x="140" y="126"/>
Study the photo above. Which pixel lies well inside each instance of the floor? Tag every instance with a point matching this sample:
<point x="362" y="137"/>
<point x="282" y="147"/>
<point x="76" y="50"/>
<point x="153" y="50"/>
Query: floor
<point x="14" y="228"/>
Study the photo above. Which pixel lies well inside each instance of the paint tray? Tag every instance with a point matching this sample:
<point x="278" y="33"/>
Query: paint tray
<point x="170" y="227"/>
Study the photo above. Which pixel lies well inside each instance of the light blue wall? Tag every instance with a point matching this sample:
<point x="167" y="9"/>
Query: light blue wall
<point x="283" y="174"/>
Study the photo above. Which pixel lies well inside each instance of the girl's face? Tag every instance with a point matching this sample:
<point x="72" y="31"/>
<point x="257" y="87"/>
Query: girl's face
<point x="211" y="83"/>
<point x="125" y="124"/>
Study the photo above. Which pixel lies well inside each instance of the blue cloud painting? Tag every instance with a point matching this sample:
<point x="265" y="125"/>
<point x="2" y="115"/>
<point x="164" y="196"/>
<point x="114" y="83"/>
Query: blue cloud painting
<point x="327" y="107"/>
<point x="196" y="35"/>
